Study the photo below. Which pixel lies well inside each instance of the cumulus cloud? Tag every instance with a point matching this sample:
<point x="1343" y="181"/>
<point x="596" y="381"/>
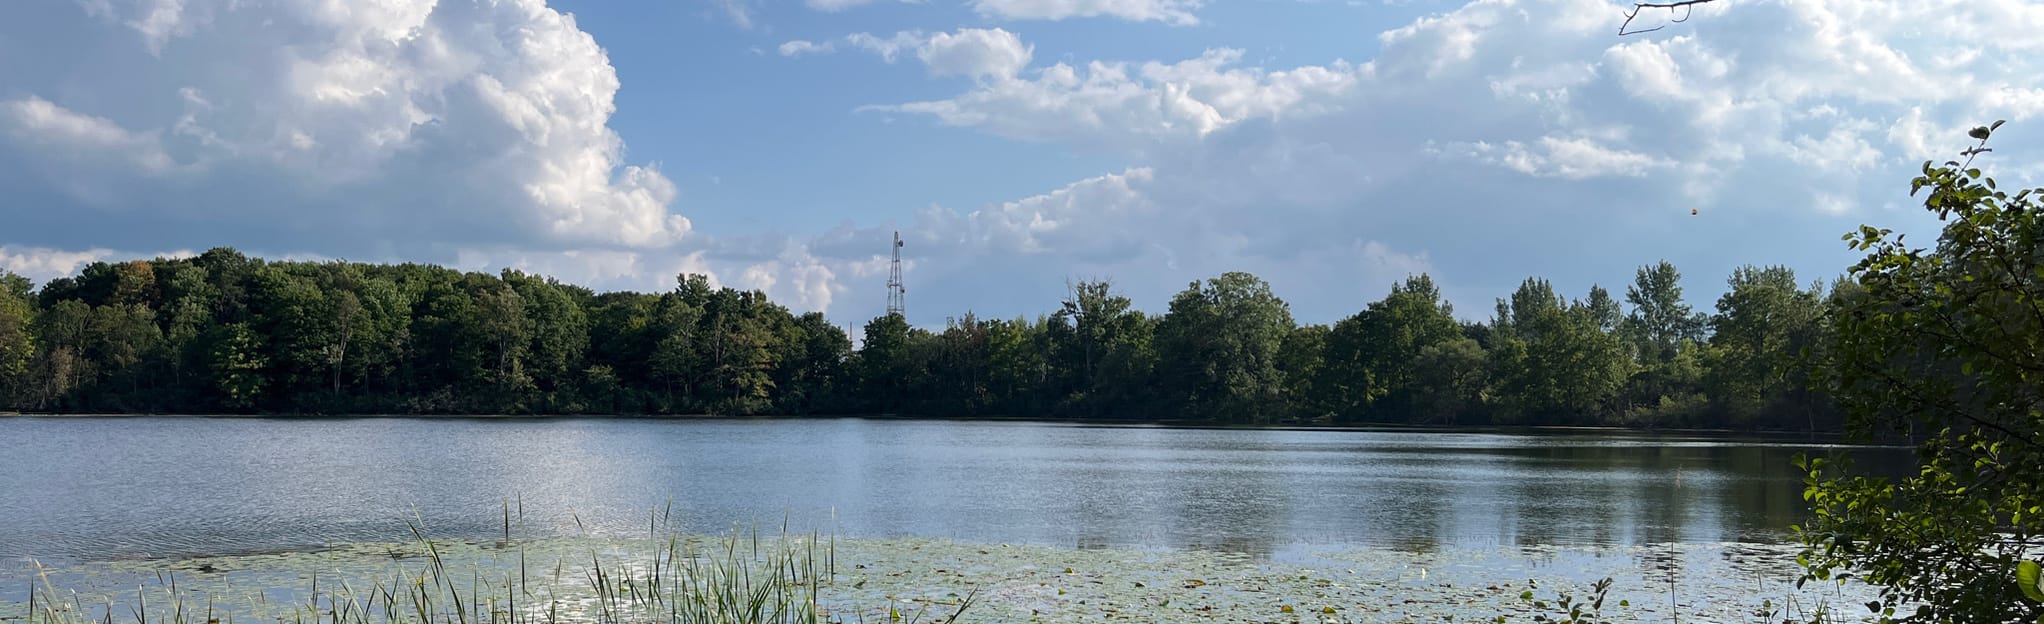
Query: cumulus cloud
<point x="412" y="122"/>
<point x="1121" y="105"/>
<point x="797" y="279"/>
<point x="1174" y="12"/>
<point x="800" y="47"/>
<point x="43" y="264"/>
<point x="1124" y="227"/>
<point x="739" y="12"/>
<point x="1495" y="139"/>
<point x="1572" y="158"/>
<point x="1477" y="133"/>
<point x="983" y="53"/>
<point x="94" y="140"/>
<point x="976" y="52"/>
<point x="833" y="6"/>
<point x="1540" y="88"/>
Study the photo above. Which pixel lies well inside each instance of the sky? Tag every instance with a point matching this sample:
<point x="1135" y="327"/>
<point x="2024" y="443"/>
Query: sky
<point x="1331" y="147"/>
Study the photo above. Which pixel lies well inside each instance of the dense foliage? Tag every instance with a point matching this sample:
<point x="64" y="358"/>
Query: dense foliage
<point x="1949" y="341"/>
<point x="221" y="332"/>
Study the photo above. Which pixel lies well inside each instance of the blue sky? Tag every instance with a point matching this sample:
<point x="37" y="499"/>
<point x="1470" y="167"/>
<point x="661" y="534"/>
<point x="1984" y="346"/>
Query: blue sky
<point x="1332" y="147"/>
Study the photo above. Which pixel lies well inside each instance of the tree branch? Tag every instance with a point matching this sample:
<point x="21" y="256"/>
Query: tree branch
<point x="1687" y="7"/>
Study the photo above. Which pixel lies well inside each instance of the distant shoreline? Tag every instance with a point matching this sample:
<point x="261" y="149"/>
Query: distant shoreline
<point x="1825" y="436"/>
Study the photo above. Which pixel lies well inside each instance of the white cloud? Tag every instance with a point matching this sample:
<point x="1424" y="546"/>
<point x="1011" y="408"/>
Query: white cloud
<point x="1175" y="12"/>
<point x="39" y="122"/>
<point x="1554" y="144"/>
<point x="976" y="52"/>
<point x="1084" y="217"/>
<point x="1561" y="97"/>
<point x="1130" y="106"/>
<point x="1124" y="227"/>
<point x="834" y="6"/>
<point x="796" y="279"/>
<point x="1831" y="203"/>
<point x="889" y="48"/>
<point x="1381" y="259"/>
<point x="1599" y="142"/>
<point x="408" y="121"/>
<point x="1572" y="158"/>
<point x="800" y="47"/>
<point x="1840" y="149"/>
<point x="983" y="53"/>
<point x="43" y="264"/>
<point x="159" y="21"/>
<point x="738" y="11"/>
<point x="790" y="276"/>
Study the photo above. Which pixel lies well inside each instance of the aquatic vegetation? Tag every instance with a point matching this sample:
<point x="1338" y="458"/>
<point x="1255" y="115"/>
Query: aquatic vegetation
<point x="668" y="576"/>
<point x="790" y="578"/>
<point x="676" y="579"/>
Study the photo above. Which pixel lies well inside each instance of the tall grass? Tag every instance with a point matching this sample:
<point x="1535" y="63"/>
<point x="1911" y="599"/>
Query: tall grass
<point x="739" y="578"/>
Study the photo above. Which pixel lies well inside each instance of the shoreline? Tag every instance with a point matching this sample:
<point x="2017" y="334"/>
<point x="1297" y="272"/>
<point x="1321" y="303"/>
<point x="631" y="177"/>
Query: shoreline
<point x="1831" y="437"/>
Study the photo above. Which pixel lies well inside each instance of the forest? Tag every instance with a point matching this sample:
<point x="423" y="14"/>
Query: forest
<point x="225" y="333"/>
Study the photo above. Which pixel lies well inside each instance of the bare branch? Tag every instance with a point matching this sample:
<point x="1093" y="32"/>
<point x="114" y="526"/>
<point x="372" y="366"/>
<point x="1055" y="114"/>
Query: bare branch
<point x="1687" y="6"/>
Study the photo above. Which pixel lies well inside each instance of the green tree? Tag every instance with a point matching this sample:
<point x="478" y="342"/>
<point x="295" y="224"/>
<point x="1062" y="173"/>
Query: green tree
<point x="1664" y="333"/>
<point x="301" y="327"/>
<point x="187" y="311"/>
<point x="960" y="371"/>
<point x="505" y="332"/>
<point x="1370" y="356"/>
<point x="1555" y="362"/>
<point x="65" y="330"/>
<point x="1449" y="381"/>
<point x="1218" y="349"/>
<point x="1018" y="366"/>
<point x="623" y="338"/>
<point x="1763" y="321"/>
<point x="1603" y="310"/>
<point x="1660" y="319"/>
<point x="739" y="348"/>
<point x="1950" y="338"/>
<point x="676" y="357"/>
<point x="1301" y="359"/>
<point x="237" y="363"/>
<point x="17" y="341"/>
<point x="124" y="336"/>
<point x="814" y="367"/>
<point x="452" y="355"/>
<point x="560" y="334"/>
<point x="883" y="363"/>
<point x="381" y="339"/>
<point x="1106" y="351"/>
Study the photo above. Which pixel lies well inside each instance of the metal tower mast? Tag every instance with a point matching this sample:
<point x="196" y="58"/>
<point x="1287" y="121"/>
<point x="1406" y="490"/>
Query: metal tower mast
<point x="896" y="292"/>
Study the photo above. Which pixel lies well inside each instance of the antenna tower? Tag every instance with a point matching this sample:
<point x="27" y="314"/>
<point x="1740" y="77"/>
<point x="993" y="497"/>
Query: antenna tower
<point x="896" y="292"/>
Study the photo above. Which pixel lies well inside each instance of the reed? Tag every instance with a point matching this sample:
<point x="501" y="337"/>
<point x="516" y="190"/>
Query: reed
<point x="739" y="578"/>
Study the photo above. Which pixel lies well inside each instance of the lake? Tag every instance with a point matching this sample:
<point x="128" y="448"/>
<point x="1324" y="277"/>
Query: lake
<point x="81" y="489"/>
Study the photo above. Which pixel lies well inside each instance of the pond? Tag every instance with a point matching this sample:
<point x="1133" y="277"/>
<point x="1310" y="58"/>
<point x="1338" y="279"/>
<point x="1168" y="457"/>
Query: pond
<point x="83" y="490"/>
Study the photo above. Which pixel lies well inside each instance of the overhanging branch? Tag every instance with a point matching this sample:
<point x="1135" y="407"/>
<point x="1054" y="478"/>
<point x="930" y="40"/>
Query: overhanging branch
<point x="1687" y="6"/>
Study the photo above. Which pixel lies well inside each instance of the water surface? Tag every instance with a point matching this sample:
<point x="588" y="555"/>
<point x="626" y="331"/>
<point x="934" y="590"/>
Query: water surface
<point x="85" y="489"/>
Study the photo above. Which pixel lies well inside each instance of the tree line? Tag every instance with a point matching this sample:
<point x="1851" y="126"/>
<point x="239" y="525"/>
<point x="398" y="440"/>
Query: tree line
<point x="223" y="332"/>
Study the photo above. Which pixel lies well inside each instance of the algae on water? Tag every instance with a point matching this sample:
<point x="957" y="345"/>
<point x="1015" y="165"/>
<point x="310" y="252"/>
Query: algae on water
<point x="899" y="580"/>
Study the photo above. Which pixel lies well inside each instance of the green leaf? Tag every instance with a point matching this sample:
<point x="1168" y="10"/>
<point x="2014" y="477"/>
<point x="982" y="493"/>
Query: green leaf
<point x="2026" y="578"/>
<point x="1979" y="133"/>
